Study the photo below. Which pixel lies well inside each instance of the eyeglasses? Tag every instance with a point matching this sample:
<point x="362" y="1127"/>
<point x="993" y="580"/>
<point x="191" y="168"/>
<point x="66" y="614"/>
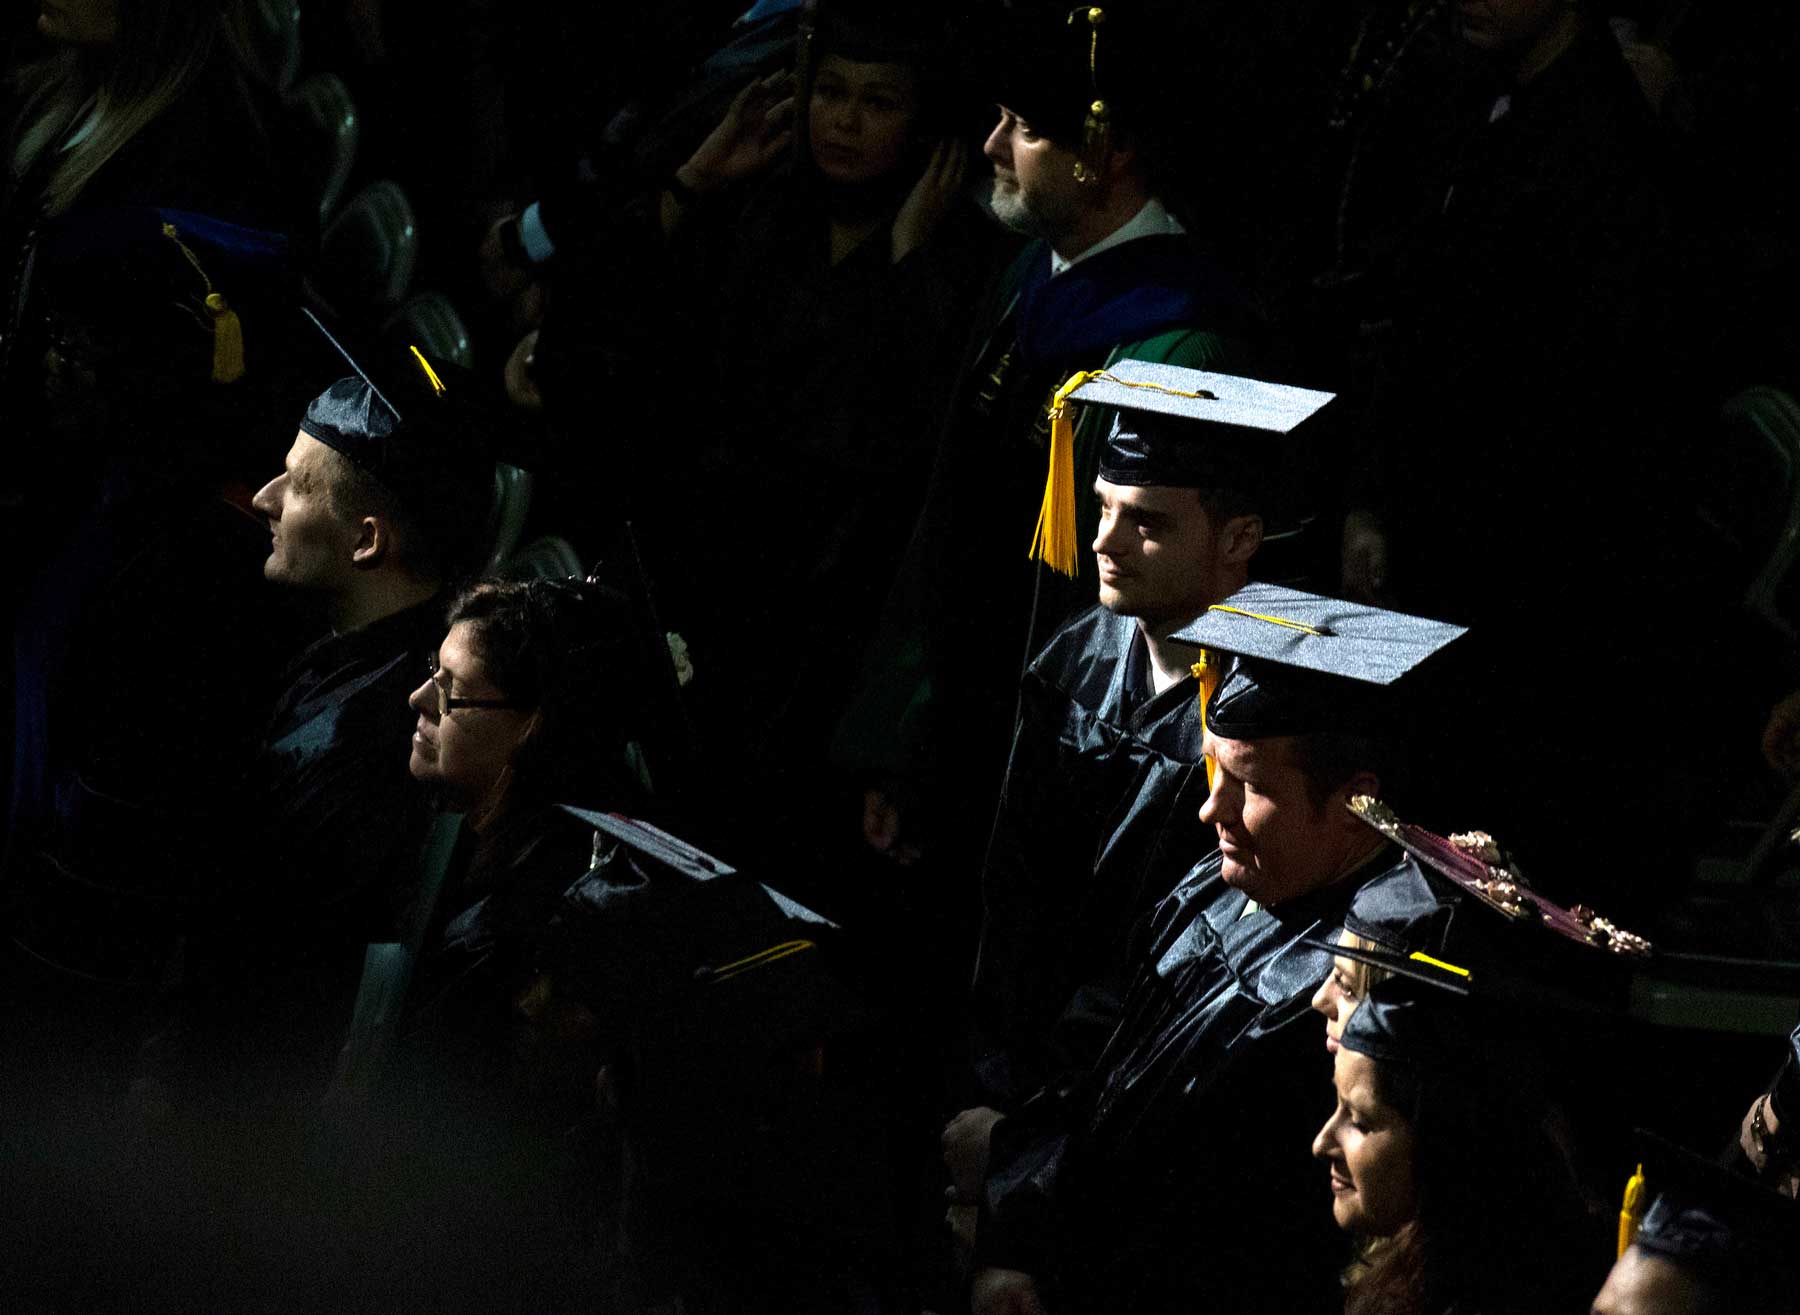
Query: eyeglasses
<point x="445" y="703"/>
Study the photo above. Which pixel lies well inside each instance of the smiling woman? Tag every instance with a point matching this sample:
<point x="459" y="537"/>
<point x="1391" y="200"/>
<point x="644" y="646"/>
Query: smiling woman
<point x="1448" y="1172"/>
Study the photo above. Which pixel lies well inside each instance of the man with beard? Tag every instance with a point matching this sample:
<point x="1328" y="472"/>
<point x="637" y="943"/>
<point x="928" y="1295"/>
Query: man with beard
<point x="1109" y="275"/>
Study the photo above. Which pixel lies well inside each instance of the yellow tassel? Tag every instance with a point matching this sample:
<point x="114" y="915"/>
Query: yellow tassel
<point x="1206" y="671"/>
<point x="228" y="330"/>
<point x="1053" y="542"/>
<point x="1096" y="129"/>
<point x="437" y="384"/>
<point x="228" y="341"/>
<point x="1632" y="1210"/>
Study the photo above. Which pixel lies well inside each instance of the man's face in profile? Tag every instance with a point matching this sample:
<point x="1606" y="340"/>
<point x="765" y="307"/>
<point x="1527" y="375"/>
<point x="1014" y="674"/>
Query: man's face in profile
<point x="310" y="543"/>
<point x="1160" y="556"/>
<point x="1035" y="191"/>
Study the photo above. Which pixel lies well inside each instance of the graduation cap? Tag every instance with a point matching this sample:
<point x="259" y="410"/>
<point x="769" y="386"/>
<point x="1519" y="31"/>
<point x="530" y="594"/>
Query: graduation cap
<point x="1303" y="663"/>
<point x="1733" y="1235"/>
<point x="1073" y="74"/>
<point x="421" y="429"/>
<point x="1474" y="862"/>
<point x="1174" y="426"/>
<point x="1510" y="988"/>
<point x="163" y="294"/>
<point x="1487" y="1033"/>
<point x="708" y="956"/>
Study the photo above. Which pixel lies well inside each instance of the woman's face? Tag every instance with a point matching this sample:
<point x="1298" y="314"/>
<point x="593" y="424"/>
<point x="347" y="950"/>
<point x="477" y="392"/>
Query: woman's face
<point x="1336" y="997"/>
<point x="861" y="118"/>
<point x="463" y="751"/>
<point x="1369" y="1148"/>
<point x="79" y="22"/>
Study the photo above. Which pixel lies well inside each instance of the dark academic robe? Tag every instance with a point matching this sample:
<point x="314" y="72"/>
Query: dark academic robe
<point x="754" y="1123"/>
<point x="332" y="833"/>
<point x="967" y="607"/>
<point x="1178" y="1176"/>
<point x="1098" y="816"/>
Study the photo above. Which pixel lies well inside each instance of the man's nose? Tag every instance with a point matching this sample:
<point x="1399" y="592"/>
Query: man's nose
<point x="267" y="501"/>
<point x="998" y="146"/>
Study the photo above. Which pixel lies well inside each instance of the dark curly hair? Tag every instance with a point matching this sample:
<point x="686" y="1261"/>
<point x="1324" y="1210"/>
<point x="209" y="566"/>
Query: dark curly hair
<point x="572" y="653"/>
<point x="1495" y="1186"/>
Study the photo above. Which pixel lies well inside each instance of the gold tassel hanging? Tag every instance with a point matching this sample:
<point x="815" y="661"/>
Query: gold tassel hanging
<point x="1206" y="671"/>
<point x="1631" y="1210"/>
<point x="1053" y="542"/>
<point x="1096" y="127"/>
<point x="228" y="340"/>
<point x="227" y="329"/>
<point x="431" y="375"/>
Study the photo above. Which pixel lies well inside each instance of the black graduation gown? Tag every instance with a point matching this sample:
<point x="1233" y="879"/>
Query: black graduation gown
<point x="333" y="826"/>
<point x="1179" y="1177"/>
<point x="1098" y="816"/>
<point x="754" y="1137"/>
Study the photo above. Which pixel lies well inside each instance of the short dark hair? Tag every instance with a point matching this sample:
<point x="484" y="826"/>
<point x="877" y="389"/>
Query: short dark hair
<point x="572" y="653"/>
<point x="433" y="551"/>
<point x="1327" y="759"/>
<point x="1221" y="505"/>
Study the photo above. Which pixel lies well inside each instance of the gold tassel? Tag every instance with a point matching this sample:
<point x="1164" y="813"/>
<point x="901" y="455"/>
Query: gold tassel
<point x="431" y="375"/>
<point x="1632" y="1209"/>
<point x="1096" y="128"/>
<point x="1206" y="671"/>
<point x="1053" y="542"/>
<point x="228" y="340"/>
<point x="228" y="330"/>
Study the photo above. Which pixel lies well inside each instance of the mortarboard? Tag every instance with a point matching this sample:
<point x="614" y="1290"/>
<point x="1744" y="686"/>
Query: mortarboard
<point x="420" y="428"/>
<point x="698" y="945"/>
<point x="169" y="289"/>
<point x="1073" y="75"/>
<point x="1475" y="864"/>
<point x="1427" y="1018"/>
<point x="1174" y="426"/>
<point x="1732" y="1234"/>
<point x="1302" y="663"/>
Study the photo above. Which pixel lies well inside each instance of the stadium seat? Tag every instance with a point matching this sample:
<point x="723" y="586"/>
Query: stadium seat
<point x="366" y="256"/>
<point x="433" y="323"/>
<point x="331" y="130"/>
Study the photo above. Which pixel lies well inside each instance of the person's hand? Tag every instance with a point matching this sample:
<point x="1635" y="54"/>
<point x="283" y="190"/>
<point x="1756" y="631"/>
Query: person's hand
<point x="499" y="275"/>
<point x="1004" y="1292"/>
<point x="1365" y="560"/>
<point x="966" y="1140"/>
<point x="930" y="199"/>
<point x="521" y="386"/>
<point x="757" y="127"/>
<point x="1781" y="737"/>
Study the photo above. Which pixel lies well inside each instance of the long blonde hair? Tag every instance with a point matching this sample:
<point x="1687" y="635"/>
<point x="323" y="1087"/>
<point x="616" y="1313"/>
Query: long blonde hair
<point x="112" y="94"/>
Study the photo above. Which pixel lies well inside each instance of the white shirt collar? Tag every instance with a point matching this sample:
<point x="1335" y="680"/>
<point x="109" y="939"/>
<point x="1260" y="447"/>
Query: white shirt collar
<point x="1152" y="220"/>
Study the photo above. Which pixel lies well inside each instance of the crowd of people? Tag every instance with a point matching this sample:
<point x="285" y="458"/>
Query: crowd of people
<point x="1041" y="520"/>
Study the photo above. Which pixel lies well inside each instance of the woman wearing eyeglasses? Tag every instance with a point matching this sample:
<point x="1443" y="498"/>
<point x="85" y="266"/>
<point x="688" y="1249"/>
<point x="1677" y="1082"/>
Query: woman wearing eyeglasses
<point x="533" y="699"/>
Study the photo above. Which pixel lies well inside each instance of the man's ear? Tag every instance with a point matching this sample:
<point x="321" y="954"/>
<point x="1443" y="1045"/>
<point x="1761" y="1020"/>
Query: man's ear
<point x="1239" y="539"/>
<point x="374" y="542"/>
<point x="1121" y="159"/>
<point x="1362" y="783"/>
